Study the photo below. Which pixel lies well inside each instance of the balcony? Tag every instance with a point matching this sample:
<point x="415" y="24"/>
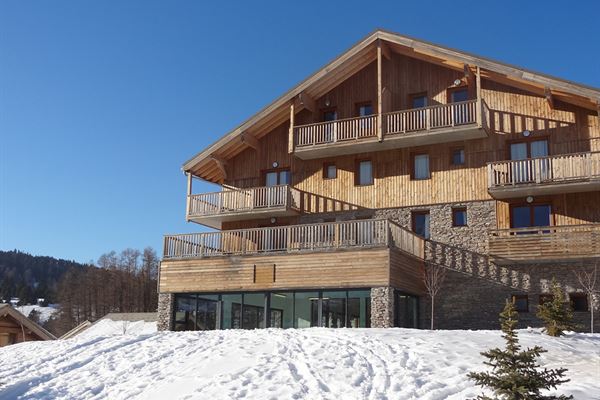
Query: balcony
<point x="407" y="128"/>
<point x="361" y="253"/>
<point x="568" y="173"/>
<point x="212" y="209"/>
<point x="544" y="244"/>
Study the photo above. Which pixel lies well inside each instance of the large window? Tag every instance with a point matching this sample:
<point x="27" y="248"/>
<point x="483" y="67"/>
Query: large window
<point x="278" y="177"/>
<point x="287" y="309"/>
<point x="579" y="301"/>
<point x="407" y="310"/>
<point x="364" y="173"/>
<point x="420" y="223"/>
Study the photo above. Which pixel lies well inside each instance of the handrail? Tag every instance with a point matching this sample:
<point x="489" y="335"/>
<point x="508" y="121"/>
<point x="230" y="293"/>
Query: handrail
<point x="544" y="230"/>
<point x="293" y="238"/>
<point x="240" y="200"/>
<point x="548" y="169"/>
<point x="402" y="121"/>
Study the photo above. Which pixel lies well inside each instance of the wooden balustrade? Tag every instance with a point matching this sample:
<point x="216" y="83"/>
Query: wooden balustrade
<point x="242" y="200"/>
<point x="432" y="117"/>
<point x="335" y="131"/>
<point x="308" y="237"/>
<point x="552" y="169"/>
<point x="547" y="242"/>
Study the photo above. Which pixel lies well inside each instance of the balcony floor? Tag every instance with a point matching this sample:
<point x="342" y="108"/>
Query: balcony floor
<point x="391" y="141"/>
<point x="543" y="189"/>
<point x="216" y="220"/>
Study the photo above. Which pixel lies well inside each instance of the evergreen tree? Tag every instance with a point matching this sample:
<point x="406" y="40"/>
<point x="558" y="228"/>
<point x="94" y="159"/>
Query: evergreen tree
<point x="556" y="314"/>
<point x="515" y="374"/>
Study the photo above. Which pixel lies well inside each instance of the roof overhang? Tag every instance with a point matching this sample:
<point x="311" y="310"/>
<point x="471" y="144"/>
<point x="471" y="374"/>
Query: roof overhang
<point x="358" y="57"/>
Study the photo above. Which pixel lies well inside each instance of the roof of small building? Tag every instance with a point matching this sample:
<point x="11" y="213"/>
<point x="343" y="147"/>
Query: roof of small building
<point x="132" y="317"/>
<point x="38" y="330"/>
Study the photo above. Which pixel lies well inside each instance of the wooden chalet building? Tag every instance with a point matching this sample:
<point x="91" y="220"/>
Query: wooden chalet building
<point x="16" y="327"/>
<point x="396" y="154"/>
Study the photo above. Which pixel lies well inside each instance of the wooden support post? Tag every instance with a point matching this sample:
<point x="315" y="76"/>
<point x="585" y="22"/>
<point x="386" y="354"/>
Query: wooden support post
<point x="468" y="74"/>
<point x="549" y="97"/>
<point x="478" y="109"/>
<point x="188" y="197"/>
<point x="379" y="92"/>
<point x="291" y="133"/>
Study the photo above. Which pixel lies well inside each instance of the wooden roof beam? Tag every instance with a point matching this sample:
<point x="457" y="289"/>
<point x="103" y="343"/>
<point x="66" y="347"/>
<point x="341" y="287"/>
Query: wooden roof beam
<point x="220" y="163"/>
<point x="385" y="50"/>
<point x="469" y="74"/>
<point x="250" y="140"/>
<point x="549" y="97"/>
<point x="305" y="100"/>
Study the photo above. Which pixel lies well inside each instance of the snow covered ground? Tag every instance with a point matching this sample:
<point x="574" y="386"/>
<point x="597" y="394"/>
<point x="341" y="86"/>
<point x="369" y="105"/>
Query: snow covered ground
<point x="44" y="312"/>
<point x="314" y="363"/>
<point x="106" y="327"/>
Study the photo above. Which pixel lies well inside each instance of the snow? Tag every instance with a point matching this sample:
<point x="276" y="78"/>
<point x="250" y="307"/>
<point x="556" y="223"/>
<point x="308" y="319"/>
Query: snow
<point x="106" y="327"/>
<point x="44" y="312"/>
<point x="315" y="363"/>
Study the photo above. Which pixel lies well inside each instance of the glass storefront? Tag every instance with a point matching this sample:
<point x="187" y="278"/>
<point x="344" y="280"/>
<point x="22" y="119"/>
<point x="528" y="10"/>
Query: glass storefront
<point x="285" y="309"/>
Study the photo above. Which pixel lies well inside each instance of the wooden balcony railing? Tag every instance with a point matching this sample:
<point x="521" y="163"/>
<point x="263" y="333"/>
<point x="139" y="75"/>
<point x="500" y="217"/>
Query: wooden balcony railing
<point x="432" y="117"/>
<point x="563" y="168"/>
<point x="404" y="121"/>
<point x="308" y="237"/>
<point x="230" y="201"/>
<point x="546" y="243"/>
<point x="335" y="131"/>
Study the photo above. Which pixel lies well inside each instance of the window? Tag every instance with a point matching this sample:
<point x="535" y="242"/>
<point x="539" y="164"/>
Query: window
<point x="526" y="171"/>
<point x="521" y="302"/>
<point x="524" y="216"/>
<point x="528" y="149"/>
<point x="456" y="95"/>
<point x="545" y="298"/>
<point x="420" y="223"/>
<point x="417" y="100"/>
<point x="579" y="301"/>
<point x="459" y="216"/>
<point x="278" y="177"/>
<point x="364" y="109"/>
<point x="364" y="173"/>
<point x="329" y="171"/>
<point x="458" y="156"/>
<point x="329" y="115"/>
<point x="420" y="166"/>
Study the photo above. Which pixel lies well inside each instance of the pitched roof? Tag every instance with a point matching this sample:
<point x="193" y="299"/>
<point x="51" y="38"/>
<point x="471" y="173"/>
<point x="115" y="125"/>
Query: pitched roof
<point x="362" y="54"/>
<point x="7" y="309"/>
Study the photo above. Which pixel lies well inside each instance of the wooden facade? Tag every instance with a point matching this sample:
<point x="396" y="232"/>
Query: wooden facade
<point x="408" y="89"/>
<point x="17" y="328"/>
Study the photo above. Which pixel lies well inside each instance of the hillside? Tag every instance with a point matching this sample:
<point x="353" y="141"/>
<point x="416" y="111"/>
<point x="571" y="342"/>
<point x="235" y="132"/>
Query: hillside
<point x="313" y="364"/>
<point x="31" y="277"/>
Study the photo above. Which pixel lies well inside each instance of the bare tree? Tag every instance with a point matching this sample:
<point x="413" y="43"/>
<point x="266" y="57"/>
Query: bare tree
<point x="433" y="277"/>
<point x="588" y="280"/>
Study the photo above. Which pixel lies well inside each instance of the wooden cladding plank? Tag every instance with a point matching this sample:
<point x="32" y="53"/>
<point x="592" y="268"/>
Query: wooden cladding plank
<point x="340" y="269"/>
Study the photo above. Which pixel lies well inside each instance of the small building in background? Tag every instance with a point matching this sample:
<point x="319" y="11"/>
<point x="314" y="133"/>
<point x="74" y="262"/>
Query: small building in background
<point x="16" y="327"/>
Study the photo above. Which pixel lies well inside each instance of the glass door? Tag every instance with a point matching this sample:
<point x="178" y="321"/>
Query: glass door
<point x="526" y="170"/>
<point x="460" y="113"/>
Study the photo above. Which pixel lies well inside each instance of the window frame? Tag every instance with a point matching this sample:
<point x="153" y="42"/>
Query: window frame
<point x="413" y="157"/>
<point x="528" y="141"/>
<point x="451" y="90"/>
<point x="540" y="202"/>
<point x="463" y="209"/>
<point x="328" y="110"/>
<point x="452" y="151"/>
<point x="413" y="221"/>
<point x="579" y="295"/>
<point x="357" y="172"/>
<point x="278" y="170"/>
<point x="326" y="166"/>
<point x="413" y="96"/>
<point x="358" y="105"/>
<point x="514" y="297"/>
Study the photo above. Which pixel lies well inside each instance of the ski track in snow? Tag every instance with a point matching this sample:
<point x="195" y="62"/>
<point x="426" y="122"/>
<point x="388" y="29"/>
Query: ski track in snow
<point x="316" y="363"/>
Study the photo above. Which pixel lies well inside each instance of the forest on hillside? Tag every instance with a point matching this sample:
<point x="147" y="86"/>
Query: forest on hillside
<point x="117" y="282"/>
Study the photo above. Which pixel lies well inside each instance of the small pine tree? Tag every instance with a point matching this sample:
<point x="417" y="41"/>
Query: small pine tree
<point x="556" y="314"/>
<point x="515" y="374"/>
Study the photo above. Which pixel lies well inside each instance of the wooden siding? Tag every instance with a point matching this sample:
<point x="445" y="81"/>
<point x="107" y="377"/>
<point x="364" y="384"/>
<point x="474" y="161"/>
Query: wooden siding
<point x="569" y="129"/>
<point x="406" y="272"/>
<point x="336" y="269"/>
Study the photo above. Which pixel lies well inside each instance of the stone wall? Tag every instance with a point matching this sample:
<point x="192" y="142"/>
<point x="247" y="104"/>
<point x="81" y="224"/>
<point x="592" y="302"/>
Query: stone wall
<point x="382" y="307"/>
<point x="166" y="305"/>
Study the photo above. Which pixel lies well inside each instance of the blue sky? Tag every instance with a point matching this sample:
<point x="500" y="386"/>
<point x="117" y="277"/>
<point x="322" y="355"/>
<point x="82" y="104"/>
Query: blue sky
<point x="101" y="102"/>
